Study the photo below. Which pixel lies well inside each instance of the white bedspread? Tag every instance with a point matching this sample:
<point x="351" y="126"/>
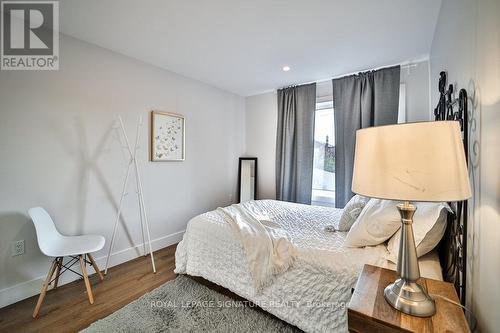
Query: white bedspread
<point x="312" y="294"/>
<point x="267" y="246"/>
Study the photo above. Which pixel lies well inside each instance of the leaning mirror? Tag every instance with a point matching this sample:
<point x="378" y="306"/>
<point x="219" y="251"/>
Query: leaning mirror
<point x="247" y="179"/>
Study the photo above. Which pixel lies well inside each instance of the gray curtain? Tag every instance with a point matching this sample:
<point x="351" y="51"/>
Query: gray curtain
<point x="295" y="143"/>
<point x="362" y="100"/>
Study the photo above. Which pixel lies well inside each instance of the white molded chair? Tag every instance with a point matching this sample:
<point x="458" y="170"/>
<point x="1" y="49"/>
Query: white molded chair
<point x="53" y="244"/>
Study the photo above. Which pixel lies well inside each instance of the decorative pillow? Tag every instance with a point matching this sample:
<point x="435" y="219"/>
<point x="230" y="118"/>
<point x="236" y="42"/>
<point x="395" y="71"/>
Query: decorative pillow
<point x="428" y="229"/>
<point x="380" y="219"/>
<point x="351" y="212"/>
<point x="377" y="222"/>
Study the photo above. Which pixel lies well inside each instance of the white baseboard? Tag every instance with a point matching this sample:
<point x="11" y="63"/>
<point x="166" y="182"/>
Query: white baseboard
<point x="32" y="287"/>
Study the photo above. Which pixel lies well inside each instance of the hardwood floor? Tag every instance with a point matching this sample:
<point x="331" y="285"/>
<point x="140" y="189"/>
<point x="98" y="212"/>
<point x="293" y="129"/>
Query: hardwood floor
<point x="67" y="309"/>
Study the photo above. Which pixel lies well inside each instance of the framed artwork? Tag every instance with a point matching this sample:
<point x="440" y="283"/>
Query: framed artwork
<point x="167" y="137"/>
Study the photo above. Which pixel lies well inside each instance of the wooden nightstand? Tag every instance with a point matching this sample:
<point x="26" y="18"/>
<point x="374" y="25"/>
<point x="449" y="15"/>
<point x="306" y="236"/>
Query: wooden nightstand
<point x="368" y="310"/>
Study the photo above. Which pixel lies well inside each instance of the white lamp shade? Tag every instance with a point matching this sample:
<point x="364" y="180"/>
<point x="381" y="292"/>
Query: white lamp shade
<point x="422" y="161"/>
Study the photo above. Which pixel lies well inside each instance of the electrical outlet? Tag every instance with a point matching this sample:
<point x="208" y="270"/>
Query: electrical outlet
<point x="17" y="247"/>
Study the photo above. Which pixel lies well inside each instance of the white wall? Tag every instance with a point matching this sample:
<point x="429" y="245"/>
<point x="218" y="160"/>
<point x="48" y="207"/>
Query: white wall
<point x="261" y="122"/>
<point x="262" y="113"/>
<point x="416" y="80"/>
<point x="467" y="45"/>
<point x="59" y="150"/>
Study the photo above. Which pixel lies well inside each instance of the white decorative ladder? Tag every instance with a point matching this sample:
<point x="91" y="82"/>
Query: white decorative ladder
<point x="140" y="196"/>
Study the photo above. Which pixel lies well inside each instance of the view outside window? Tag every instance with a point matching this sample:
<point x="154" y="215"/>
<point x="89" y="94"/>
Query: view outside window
<point x="323" y="188"/>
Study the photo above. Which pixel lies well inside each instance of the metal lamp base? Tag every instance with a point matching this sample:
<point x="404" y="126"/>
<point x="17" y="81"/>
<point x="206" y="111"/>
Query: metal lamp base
<point x="410" y="298"/>
<point x="405" y="294"/>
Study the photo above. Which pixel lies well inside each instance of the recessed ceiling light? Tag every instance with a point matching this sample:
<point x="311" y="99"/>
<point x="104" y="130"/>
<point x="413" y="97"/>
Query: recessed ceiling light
<point x="286" y="68"/>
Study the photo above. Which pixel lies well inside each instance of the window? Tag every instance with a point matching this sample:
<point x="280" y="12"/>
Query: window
<point x="323" y="188"/>
<point x="402" y="104"/>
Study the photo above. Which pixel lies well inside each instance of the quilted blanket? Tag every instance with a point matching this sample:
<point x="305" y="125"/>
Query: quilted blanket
<point x="312" y="294"/>
<point x="267" y="246"/>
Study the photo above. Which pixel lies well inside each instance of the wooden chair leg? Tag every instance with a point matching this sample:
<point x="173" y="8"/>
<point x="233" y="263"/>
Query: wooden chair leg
<point x="44" y="288"/>
<point x="59" y="262"/>
<point x="94" y="264"/>
<point x="86" y="279"/>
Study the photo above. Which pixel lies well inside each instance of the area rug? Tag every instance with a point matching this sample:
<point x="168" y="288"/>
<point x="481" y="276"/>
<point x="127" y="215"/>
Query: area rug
<point x="184" y="305"/>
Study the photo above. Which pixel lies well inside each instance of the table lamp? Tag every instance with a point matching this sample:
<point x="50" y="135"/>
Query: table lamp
<point x="423" y="161"/>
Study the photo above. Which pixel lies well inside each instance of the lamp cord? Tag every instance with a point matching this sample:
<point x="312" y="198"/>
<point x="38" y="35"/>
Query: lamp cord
<point x="474" y="319"/>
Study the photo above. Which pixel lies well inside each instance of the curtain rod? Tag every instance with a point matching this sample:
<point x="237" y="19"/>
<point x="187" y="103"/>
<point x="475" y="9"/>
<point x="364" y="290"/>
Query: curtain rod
<point x="407" y="66"/>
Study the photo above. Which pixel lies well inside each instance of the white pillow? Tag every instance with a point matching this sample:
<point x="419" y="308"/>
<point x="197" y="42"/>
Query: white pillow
<point x="428" y="229"/>
<point x="377" y="222"/>
<point x="351" y="212"/>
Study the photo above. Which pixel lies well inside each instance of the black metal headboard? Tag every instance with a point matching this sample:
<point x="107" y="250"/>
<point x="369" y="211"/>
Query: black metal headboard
<point x="453" y="247"/>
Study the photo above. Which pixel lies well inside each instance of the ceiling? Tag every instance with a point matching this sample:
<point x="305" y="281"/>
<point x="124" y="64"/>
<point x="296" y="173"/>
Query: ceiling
<point x="241" y="45"/>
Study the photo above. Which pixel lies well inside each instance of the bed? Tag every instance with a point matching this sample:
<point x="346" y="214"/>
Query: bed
<point x="314" y="292"/>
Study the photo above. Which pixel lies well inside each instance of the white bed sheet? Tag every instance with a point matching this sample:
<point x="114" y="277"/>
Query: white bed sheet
<point x="313" y="294"/>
